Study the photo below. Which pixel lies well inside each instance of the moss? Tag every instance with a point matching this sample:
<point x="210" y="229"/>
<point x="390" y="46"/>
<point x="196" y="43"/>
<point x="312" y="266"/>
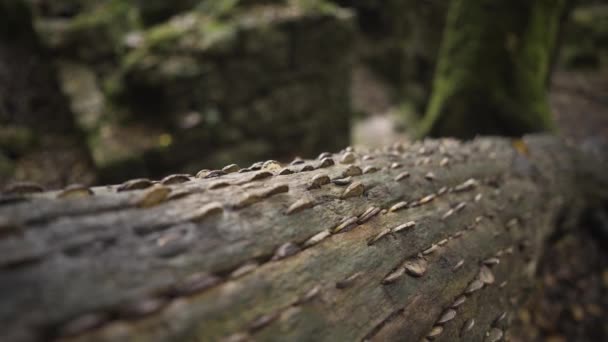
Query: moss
<point x="203" y="34"/>
<point x="166" y="34"/>
<point x="94" y="34"/>
<point x="316" y="6"/>
<point x="493" y="67"/>
<point x="193" y="32"/>
<point x="219" y="8"/>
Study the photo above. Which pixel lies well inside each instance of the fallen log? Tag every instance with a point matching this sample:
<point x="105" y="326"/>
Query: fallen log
<point x="436" y="240"/>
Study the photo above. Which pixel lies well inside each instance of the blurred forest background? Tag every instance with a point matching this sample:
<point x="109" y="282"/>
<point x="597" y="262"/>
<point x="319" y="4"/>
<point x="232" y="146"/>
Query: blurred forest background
<point x="99" y="92"/>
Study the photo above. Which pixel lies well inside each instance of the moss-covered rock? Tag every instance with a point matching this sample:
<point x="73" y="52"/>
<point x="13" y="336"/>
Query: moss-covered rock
<point x="157" y="84"/>
<point x="275" y="76"/>
<point x="94" y="34"/>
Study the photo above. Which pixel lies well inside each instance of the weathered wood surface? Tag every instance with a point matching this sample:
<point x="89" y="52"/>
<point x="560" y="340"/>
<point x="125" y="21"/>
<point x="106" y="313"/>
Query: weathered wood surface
<point x="435" y="240"/>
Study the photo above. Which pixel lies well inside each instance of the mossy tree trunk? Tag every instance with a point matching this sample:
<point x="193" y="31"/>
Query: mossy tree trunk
<point x="493" y="66"/>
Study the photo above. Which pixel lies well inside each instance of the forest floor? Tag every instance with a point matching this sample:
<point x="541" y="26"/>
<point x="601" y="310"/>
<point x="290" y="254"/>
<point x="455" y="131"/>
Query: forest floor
<point x="571" y="302"/>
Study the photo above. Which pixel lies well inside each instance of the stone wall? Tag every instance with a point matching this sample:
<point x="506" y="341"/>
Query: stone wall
<point x="217" y="81"/>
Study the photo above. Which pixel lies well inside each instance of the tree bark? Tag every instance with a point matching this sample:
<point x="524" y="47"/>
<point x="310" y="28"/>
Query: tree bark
<point x="434" y="240"/>
<point x="493" y="68"/>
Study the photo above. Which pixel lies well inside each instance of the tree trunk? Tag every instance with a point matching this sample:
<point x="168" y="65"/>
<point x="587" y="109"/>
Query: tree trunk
<point x="493" y="68"/>
<point x="435" y="240"/>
